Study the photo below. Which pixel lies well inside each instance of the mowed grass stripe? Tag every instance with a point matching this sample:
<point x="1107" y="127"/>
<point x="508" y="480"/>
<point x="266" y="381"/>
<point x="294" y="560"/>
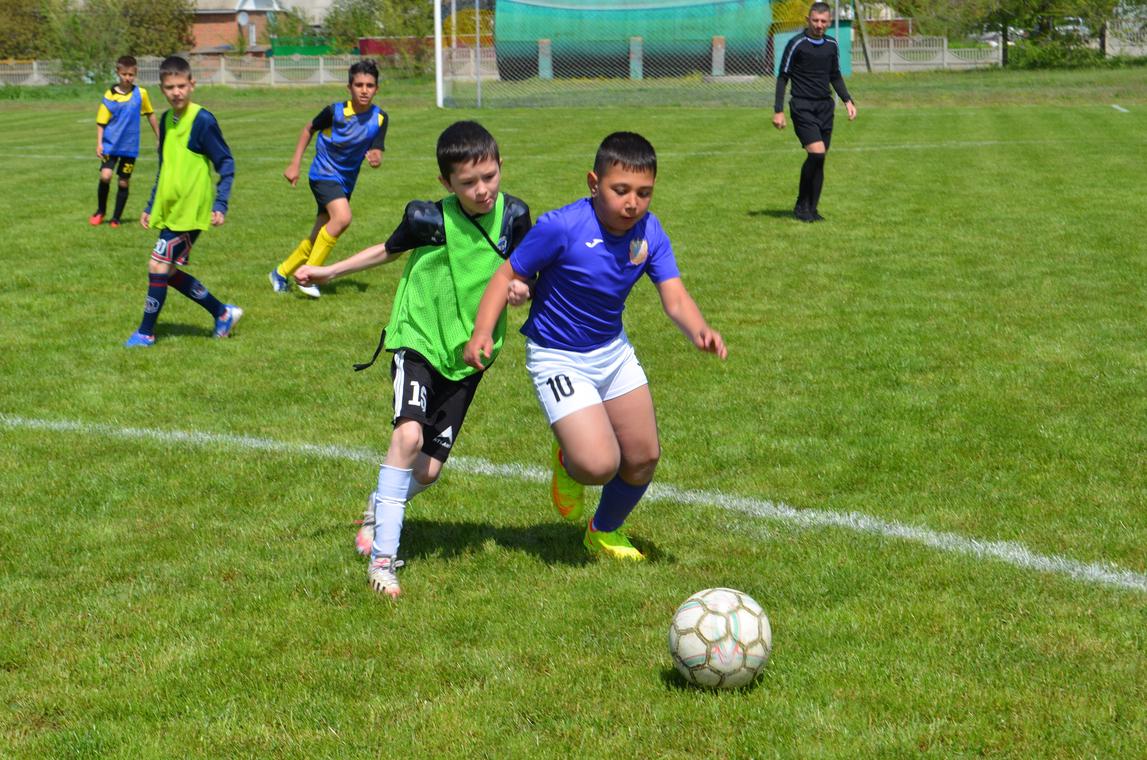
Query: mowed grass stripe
<point x="1009" y="552"/>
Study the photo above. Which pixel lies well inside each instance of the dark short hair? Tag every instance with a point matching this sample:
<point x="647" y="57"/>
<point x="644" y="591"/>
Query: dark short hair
<point x="628" y="150"/>
<point x="365" y="66"/>
<point x="465" y="142"/>
<point x="819" y="8"/>
<point x="126" y="62"/>
<point x="174" y="65"/>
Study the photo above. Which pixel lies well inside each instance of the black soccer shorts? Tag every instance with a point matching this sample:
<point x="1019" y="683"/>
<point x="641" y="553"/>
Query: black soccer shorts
<point x="325" y="191"/>
<point x="422" y="394"/>
<point x="126" y="165"/>
<point x="812" y="120"/>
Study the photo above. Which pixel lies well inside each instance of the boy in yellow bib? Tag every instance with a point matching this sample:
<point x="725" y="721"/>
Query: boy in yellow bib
<point x="184" y="202"/>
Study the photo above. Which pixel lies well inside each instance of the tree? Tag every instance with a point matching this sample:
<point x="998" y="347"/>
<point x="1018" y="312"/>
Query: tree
<point x="24" y="33"/>
<point x="157" y="27"/>
<point x="89" y="39"/>
<point x="288" y="23"/>
<point x="348" y="20"/>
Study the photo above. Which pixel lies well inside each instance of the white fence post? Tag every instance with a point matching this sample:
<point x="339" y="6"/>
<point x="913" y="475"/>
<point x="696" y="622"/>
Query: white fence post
<point x="717" y="67"/>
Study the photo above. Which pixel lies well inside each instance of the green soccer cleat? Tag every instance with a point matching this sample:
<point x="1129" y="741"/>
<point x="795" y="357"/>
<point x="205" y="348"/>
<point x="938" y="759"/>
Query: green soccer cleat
<point x="613" y="544"/>
<point x="567" y="494"/>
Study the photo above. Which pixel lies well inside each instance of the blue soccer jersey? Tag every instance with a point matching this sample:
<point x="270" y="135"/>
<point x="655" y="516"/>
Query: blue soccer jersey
<point x="585" y="274"/>
<point x="344" y="138"/>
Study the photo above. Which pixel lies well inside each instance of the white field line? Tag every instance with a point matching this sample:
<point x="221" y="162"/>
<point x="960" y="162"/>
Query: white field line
<point x="739" y="153"/>
<point x="1119" y="108"/>
<point x="1008" y="552"/>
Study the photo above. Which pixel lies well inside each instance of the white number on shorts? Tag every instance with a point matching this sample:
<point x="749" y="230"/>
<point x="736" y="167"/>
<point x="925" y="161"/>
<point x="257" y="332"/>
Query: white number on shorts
<point x="417" y="395"/>
<point x="560" y="386"/>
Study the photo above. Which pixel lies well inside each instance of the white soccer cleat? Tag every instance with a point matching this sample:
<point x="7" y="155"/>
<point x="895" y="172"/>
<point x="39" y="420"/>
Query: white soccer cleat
<point x="311" y="291"/>
<point x="381" y="575"/>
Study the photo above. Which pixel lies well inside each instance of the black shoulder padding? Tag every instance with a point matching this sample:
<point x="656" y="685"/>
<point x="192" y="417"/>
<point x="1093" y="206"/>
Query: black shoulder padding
<point x="424" y="219"/>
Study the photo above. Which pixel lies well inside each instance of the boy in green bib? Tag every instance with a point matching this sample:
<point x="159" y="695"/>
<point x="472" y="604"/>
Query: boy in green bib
<point x="184" y="201"/>
<point x="457" y="243"/>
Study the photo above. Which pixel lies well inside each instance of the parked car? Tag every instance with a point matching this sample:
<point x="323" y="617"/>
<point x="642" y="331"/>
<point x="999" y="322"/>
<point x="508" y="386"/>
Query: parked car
<point x="1073" y="26"/>
<point x="991" y="35"/>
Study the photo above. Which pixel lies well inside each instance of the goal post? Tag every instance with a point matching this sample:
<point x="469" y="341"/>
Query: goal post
<point x="536" y="53"/>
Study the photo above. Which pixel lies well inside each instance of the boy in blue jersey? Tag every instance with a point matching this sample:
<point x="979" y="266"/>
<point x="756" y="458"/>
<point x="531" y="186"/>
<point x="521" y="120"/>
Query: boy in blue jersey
<point x="184" y="202"/>
<point x="456" y="244"/>
<point x="347" y="133"/>
<point x="117" y="137"/>
<point x="587" y="257"/>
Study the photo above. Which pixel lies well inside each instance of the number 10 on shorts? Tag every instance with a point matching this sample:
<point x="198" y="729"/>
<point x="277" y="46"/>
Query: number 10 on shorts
<point x="561" y="386"/>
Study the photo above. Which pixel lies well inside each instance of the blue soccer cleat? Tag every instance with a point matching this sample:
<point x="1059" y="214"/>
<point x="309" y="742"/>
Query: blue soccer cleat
<point x="139" y="340"/>
<point x="279" y="283"/>
<point x="226" y="323"/>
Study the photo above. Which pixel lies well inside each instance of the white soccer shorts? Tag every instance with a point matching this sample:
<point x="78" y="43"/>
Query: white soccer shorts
<point x="567" y="381"/>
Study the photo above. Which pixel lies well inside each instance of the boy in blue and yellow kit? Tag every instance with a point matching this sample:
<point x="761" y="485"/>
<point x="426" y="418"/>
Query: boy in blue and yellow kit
<point x="183" y="202"/>
<point x="348" y="132"/>
<point x="117" y="136"/>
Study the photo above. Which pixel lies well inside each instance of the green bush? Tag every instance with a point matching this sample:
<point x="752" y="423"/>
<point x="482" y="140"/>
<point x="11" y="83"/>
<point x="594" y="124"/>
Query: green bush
<point x="1054" y="53"/>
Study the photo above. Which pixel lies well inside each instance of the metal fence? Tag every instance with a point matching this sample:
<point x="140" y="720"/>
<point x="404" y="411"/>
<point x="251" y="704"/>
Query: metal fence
<point x="554" y="52"/>
<point x="480" y="77"/>
<point x="636" y="73"/>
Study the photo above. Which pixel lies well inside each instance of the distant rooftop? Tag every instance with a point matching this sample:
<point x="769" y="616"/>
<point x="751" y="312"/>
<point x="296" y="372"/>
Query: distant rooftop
<point x="234" y="6"/>
<point x="312" y="10"/>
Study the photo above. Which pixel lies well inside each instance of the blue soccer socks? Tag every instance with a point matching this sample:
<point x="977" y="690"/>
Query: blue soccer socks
<point x="197" y="292"/>
<point x="156" y="295"/>
<point x="618" y="499"/>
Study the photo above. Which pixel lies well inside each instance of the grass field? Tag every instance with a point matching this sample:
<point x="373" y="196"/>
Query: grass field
<point x="925" y="455"/>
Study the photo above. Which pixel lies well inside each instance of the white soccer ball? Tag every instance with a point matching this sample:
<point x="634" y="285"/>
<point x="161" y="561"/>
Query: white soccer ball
<point x="720" y="638"/>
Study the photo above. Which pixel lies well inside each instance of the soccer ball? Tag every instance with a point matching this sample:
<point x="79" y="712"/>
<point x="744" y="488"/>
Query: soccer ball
<point x="720" y="638"/>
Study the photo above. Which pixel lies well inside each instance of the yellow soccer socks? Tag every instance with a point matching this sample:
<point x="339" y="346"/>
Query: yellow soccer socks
<point x="324" y="243"/>
<point x="297" y="258"/>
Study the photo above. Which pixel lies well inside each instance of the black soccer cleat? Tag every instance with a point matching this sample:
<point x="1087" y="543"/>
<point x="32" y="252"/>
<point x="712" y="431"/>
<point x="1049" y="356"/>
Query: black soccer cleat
<point x="801" y="213"/>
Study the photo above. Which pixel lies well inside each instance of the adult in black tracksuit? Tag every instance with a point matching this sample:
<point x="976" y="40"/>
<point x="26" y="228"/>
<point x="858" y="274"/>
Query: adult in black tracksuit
<point x="812" y="62"/>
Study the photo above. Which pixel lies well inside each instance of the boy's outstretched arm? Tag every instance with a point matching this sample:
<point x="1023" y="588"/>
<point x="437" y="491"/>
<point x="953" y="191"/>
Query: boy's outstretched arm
<point x="493" y="303"/>
<point x="292" y="170"/>
<point x="154" y="124"/>
<point x="682" y="309"/>
<point x="364" y="259"/>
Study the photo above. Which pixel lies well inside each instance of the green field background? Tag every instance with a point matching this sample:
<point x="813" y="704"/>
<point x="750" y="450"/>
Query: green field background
<point x="960" y="348"/>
